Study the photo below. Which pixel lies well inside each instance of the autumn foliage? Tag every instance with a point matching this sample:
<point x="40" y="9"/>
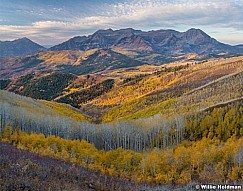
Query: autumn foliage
<point x="206" y="160"/>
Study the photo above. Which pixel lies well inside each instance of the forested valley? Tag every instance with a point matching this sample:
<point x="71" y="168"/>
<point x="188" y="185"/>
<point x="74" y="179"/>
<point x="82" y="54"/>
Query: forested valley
<point x="166" y="128"/>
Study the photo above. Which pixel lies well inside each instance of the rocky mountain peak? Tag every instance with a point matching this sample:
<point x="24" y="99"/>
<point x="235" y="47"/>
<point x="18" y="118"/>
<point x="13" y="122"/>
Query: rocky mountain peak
<point x="168" y="42"/>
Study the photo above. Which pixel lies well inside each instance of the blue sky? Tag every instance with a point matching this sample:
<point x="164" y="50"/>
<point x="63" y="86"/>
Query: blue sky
<point x="50" y="22"/>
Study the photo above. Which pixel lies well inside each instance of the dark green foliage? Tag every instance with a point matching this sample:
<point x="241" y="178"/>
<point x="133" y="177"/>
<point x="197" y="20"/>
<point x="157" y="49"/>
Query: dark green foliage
<point x="4" y="83"/>
<point x="17" y="88"/>
<point x="48" y="87"/>
<point x="134" y="80"/>
<point x="25" y="79"/>
<point x="221" y="123"/>
<point x="88" y="94"/>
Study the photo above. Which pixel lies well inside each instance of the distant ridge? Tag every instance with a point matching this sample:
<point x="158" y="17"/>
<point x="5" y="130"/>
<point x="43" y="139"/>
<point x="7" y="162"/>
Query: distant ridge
<point x="111" y="49"/>
<point x="19" y="47"/>
<point x="166" y="42"/>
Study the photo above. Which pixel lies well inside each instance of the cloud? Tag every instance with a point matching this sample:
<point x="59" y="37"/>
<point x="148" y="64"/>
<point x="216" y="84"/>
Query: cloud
<point x="144" y="14"/>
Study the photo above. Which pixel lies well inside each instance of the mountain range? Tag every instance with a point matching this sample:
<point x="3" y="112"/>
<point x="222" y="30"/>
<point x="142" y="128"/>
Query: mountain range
<point x="162" y="42"/>
<point x="111" y="49"/>
<point x="168" y="42"/>
<point x="158" y="108"/>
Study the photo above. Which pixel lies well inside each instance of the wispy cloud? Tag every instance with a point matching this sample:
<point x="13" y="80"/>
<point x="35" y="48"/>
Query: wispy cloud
<point x="56" y="24"/>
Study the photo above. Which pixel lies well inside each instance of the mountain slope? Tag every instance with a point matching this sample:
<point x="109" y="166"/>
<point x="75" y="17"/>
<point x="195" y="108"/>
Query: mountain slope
<point x="96" y="60"/>
<point x="75" y="62"/>
<point x="37" y="108"/>
<point x="139" y="91"/>
<point x="50" y="173"/>
<point x="100" y="39"/>
<point x="167" y="91"/>
<point x="19" y="47"/>
<point x="113" y="49"/>
<point x="167" y="42"/>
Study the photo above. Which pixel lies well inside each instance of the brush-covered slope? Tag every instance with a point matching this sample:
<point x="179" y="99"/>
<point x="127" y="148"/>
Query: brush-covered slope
<point x="19" y="47"/>
<point x="50" y="173"/>
<point x="61" y="87"/>
<point x="187" y="90"/>
<point x="74" y="62"/>
<point x="211" y="146"/>
<point x="37" y="109"/>
<point x="175" y="89"/>
<point x="127" y="93"/>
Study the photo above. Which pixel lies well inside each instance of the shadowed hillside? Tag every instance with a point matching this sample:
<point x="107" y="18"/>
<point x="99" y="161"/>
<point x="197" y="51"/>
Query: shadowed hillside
<point x="30" y="171"/>
<point x="128" y="93"/>
<point x="19" y="47"/>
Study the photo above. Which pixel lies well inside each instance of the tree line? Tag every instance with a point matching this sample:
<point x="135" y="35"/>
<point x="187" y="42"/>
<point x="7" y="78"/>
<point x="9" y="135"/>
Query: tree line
<point x="201" y="161"/>
<point x="138" y="135"/>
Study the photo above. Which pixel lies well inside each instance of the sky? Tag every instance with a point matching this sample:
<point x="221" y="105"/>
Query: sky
<point x="50" y="22"/>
